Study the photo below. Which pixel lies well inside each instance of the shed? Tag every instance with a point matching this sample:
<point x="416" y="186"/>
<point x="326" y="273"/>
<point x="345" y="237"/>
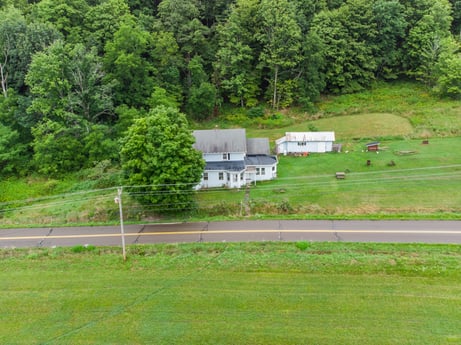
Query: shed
<point x="305" y="142"/>
<point x="373" y="146"/>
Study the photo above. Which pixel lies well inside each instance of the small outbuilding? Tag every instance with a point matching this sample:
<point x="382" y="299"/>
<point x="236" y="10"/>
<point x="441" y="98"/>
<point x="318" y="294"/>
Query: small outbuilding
<point x="305" y="142"/>
<point x="373" y="146"/>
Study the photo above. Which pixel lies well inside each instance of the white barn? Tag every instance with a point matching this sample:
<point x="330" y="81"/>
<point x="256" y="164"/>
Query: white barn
<point x="305" y="142"/>
<point x="232" y="160"/>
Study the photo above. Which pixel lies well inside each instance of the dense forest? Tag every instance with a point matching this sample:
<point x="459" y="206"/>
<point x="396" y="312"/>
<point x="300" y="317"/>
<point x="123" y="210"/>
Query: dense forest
<point x="76" y="74"/>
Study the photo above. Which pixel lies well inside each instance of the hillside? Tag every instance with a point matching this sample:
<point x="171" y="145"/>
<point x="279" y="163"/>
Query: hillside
<point x="76" y="75"/>
<point x="422" y="183"/>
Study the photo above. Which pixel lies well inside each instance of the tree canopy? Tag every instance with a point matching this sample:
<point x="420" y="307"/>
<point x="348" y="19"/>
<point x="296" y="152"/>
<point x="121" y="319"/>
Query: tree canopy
<point x="81" y="70"/>
<point x="158" y="157"/>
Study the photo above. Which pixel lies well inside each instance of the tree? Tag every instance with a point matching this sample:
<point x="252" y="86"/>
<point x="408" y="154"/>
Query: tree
<point x="161" y="97"/>
<point x="158" y="157"/>
<point x="57" y="149"/>
<point x="448" y="70"/>
<point x="66" y="15"/>
<point x="12" y="32"/>
<point x="391" y="26"/>
<point x="424" y="41"/>
<point x="70" y="97"/>
<point x="201" y="101"/>
<point x="49" y="84"/>
<point x="99" y="145"/>
<point x="280" y="37"/>
<point x="236" y="59"/>
<point x="68" y="85"/>
<point x="167" y="63"/>
<point x="102" y="21"/>
<point x="201" y="98"/>
<point x="182" y="18"/>
<point x="311" y="81"/>
<point x="19" y="40"/>
<point x="129" y="63"/>
<point x="348" y="35"/>
<point x="12" y="152"/>
<point x="90" y="96"/>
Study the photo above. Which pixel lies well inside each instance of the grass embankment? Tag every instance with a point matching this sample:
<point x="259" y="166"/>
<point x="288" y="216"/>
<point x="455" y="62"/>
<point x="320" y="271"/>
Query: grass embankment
<point x="231" y="293"/>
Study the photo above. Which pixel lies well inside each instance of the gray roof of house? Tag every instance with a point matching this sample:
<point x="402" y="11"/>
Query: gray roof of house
<point x="220" y="140"/>
<point x="258" y="146"/>
<point x="260" y="160"/>
<point x="225" y="166"/>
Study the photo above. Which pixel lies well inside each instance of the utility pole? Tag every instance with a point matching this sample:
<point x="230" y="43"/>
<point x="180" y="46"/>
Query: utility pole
<point x="118" y="200"/>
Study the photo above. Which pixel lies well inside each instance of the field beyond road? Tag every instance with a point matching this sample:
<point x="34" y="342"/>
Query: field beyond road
<point x="233" y="293"/>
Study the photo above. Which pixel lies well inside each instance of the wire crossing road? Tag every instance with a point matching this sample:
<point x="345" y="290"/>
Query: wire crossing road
<point x="238" y="231"/>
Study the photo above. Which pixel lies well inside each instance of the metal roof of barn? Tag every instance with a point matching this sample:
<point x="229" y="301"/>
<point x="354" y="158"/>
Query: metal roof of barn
<point x="220" y="140"/>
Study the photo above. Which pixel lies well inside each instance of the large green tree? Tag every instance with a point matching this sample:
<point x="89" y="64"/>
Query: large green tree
<point x="12" y="153"/>
<point x="280" y="37"/>
<point x="66" y="15"/>
<point x="102" y="21"/>
<point x="448" y="70"/>
<point x="349" y="35"/>
<point x="236" y="59"/>
<point x="159" y="160"/>
<point x="390" y="25"/>
<point x="128" y="62"/>
<point x="70" y="97"/>
<point x="425" y="40"/>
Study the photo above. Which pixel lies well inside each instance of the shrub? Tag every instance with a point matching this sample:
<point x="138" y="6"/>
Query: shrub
<point x="302" y="245"/>
<point x="83" y="248"/>
<point x="256" y="112"/>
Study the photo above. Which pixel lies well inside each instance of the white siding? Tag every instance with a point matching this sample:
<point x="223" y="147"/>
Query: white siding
<point x="230" y="179"/>
<point x="261" y="173"/>
<point x="219" y="157"/>
<point x="302" y="142"/>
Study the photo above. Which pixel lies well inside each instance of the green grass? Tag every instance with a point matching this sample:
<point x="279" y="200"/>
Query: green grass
<point x="254" y="293"/>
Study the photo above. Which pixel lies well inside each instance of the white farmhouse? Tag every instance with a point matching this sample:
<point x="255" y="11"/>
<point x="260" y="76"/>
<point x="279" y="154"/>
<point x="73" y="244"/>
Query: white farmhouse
<point x="305" y="142"/>
<point x="232" y="160"/>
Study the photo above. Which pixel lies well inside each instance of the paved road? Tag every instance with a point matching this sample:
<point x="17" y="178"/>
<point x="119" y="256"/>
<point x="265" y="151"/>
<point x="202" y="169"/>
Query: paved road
<point x="271" y="230"/>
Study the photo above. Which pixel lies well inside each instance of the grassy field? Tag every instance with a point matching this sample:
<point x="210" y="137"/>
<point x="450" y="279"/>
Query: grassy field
<point x="405" y="180"/>
<point x="253" y="293"/>
<point x="404" y="177"/>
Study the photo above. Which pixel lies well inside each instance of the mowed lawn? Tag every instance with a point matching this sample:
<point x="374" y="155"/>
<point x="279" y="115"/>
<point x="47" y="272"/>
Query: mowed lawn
<point x="233" y="293"/>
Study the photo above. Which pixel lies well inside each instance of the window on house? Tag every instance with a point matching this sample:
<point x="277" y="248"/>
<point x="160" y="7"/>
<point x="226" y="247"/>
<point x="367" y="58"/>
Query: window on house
<point x="302" y="143"/>
<point x="263" y="171"/>
<point x="226" y="156"/>
<point x="236" y="177"/>
<point x="205" y="176"/>
<point x="221" y="176"/>
<point x="241" y="176"/>
<point x="258" y="171"/>
<point x="273" y="168"/>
